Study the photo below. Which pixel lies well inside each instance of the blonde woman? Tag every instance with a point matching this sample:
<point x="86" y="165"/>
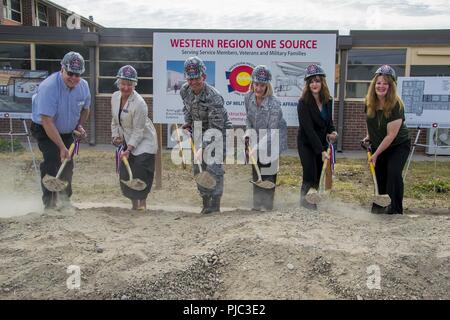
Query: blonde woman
<point x="134" y="131"/>
<point x="388" y="136"/>
<point x="264" y="112"/>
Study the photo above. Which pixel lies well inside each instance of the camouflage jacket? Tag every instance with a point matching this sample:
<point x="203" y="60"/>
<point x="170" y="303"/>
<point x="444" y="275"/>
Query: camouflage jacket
<point x="206" y="107"/>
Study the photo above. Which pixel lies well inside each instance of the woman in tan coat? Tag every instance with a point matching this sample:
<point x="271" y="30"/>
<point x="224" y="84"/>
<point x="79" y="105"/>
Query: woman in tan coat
<point x="132" y="129"/>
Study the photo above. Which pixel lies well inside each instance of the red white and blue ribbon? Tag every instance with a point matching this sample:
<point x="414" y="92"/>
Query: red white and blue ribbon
<point x="119" y="149"/>
<point x="332" y="156"/>
<point x="76" y="149"/>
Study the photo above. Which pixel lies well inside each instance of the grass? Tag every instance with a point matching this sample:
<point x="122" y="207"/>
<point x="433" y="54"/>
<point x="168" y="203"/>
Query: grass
<point x="5" y="145"/>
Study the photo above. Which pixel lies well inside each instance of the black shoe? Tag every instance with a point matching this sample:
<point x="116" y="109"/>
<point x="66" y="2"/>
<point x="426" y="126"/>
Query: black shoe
<point x="308" y="205"/>
<point x="377" y="209"/>
<point x="303" y="202"/>
<point x="389" y="210"/>
<point x="206" y="204"/>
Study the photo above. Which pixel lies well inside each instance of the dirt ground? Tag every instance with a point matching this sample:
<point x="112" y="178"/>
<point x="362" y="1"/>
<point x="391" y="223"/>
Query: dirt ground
<point x="173" y="252"/>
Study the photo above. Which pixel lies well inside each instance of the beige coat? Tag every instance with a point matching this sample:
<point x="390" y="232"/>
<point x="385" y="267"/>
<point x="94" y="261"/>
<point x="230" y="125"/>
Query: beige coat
<point x="135" y="126"/>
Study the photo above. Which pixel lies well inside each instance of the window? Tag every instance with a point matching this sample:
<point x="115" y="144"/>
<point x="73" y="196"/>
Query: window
<point x="112" y="58"/>
<point x="41" y="15"/>
<point x="15" y="56"/>
<point x="12" y="9"/>
<point x="429" y="71"/>
<point x="49" y="56"/>
<point x="362" y="64"/>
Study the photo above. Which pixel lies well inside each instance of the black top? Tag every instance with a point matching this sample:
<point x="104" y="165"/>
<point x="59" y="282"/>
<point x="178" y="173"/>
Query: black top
<point x="313" y="128"/>
<point x="377" y="127"/>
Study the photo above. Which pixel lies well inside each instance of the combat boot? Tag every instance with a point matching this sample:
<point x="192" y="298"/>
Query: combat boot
<point x="215" y="204"/>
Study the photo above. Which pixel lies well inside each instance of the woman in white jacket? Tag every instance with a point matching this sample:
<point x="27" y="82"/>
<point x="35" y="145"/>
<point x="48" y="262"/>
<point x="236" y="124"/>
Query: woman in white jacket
<point x="134" y="131"/>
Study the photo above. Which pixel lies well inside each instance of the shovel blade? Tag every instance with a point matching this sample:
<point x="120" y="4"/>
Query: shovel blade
<point x="316" y="197"/>
<point x="205" y="180"/>
<point x="264" y="184"/>
<point x="135" y="184"/>
<point x="382" y="200"/>
<point x="54" y="184"/>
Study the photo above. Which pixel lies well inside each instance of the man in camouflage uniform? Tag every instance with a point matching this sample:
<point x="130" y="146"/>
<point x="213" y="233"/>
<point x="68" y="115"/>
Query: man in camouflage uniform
<point x="204" y="103"/>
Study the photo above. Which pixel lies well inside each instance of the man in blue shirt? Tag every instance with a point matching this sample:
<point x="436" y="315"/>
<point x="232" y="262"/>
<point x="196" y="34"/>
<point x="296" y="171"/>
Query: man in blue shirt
<point x="60" y="106"/>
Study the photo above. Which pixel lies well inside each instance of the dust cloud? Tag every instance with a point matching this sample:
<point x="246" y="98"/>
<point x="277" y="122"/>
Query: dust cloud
<point x="14" y="204"/>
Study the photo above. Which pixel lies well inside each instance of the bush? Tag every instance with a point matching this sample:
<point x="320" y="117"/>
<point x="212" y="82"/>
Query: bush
<point x="433" y="185"/>
<point x="5" y="145"/>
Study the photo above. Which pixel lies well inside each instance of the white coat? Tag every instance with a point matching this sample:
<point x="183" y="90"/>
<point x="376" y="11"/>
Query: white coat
<point x="135" y="127"/>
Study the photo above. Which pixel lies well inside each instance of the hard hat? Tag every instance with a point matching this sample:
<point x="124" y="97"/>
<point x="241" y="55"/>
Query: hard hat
<point x="314" y="70"/>
<point x="194" y="68"/>
<point x="261" y="74"/>
<point x="127" y="73"/>
<point x="386" y="70"/>
<point x="73" y="62"/>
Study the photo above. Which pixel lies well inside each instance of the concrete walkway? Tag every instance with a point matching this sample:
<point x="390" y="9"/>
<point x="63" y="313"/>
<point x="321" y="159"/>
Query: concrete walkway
<point x="293" y="152"/>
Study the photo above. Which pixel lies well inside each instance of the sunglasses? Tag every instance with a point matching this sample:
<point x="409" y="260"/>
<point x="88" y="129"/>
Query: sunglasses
<point x="72" y="74"/>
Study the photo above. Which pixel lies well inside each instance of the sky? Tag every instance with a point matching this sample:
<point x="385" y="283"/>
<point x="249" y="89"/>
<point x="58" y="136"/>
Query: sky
<point x="341" y="15"/>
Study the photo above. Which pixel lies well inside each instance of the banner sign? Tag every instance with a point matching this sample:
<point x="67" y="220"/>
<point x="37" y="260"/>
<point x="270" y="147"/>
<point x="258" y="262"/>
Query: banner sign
<point x="230" y="59"/>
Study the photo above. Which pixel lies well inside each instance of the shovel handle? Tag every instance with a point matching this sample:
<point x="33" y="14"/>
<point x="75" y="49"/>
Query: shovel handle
<point x="63" y="165"/>
<point x="322" y="174"/>
<point x="253" y="160"/>
<point x="191" y="140"/>
<point x="127" y="165"/>
<point x="372" y="172"/>
<point x="255" y="164"/>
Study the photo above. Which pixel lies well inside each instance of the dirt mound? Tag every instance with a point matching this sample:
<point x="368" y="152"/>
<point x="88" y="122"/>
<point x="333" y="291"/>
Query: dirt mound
<point x="285" y="254"/>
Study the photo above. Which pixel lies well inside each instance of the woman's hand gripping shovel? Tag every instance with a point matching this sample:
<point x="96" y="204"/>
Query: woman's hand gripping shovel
<point x="379" y="199"/>
<point x="264" y="184"/>
<point x="55" y="184"/>
<point x="203" y="178"/>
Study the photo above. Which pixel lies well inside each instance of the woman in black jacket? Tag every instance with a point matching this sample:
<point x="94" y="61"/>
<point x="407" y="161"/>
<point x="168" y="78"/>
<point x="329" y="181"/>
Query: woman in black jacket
<point x="316" y="129"/>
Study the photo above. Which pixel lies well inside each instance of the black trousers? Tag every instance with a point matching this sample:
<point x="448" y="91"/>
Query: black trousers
<point x="52" y="162"/>
<point x="142" y="167"/>
<point x="312" y="167"/>
<point x="263" y="198"/>
<point x="388" y="170"/>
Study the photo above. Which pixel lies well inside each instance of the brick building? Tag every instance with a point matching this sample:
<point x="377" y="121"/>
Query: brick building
<point x="42" y="13"/>
<point x="412" y="53"/>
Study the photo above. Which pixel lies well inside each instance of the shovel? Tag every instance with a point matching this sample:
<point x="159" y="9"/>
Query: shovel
<point x="379" y="199"/>
<point x="135" y="184"/>
<point x="264" y="184"/>
<point x="203" y="178"/>
<point x="316" y="197"/>
<point x="54" y="184"/>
